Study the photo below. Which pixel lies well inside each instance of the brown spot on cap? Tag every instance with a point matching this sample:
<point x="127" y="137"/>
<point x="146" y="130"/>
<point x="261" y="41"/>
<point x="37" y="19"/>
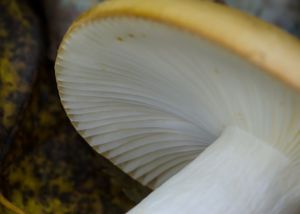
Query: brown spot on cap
<point x="120" y="39"/>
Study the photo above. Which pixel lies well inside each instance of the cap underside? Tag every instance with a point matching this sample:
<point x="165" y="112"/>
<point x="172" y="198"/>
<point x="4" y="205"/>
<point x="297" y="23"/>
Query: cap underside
<point x="151" y="97"/>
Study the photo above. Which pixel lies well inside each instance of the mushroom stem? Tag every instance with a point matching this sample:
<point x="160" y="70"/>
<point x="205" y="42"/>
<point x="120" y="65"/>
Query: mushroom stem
<point x="239" y="173"/>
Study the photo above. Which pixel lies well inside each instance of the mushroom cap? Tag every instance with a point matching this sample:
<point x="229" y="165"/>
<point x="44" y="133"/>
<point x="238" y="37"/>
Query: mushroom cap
<point x="138" y="76"/>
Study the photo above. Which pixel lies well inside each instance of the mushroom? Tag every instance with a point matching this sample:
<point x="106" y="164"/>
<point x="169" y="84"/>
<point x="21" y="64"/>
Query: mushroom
<point x="196" y="100"/>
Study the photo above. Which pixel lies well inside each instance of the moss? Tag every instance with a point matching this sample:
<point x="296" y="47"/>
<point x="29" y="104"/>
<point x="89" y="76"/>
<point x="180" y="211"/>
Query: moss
<point x="3" y="32"/>
<point x="14" y="9"/>
<point x="19" y="58"/>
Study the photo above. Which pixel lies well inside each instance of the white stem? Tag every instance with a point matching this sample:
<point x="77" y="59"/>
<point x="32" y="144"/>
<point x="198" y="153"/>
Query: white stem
<point x="235" y="175"/>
